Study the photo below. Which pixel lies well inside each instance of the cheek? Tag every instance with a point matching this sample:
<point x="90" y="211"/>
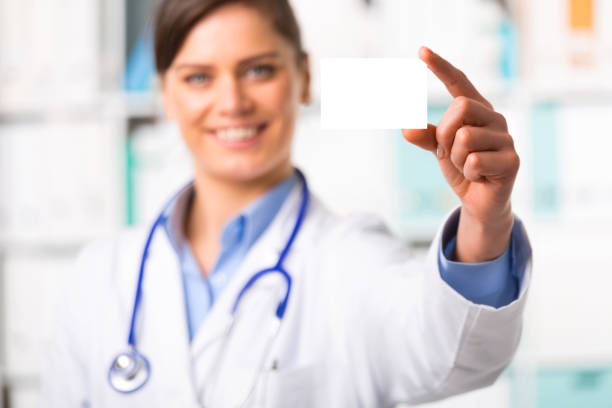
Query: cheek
<point x="191" y="106"/>
<point x="280" y="100"/>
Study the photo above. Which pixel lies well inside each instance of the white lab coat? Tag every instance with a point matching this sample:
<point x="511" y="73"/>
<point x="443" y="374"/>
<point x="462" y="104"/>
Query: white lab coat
<point x="366" y="325"/>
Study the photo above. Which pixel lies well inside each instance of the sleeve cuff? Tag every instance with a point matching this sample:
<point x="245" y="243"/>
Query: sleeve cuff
<point x="493" y="283"/>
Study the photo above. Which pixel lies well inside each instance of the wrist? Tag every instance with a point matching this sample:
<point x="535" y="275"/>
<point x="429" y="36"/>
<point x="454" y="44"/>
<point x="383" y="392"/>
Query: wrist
<point x="482" y="240"/>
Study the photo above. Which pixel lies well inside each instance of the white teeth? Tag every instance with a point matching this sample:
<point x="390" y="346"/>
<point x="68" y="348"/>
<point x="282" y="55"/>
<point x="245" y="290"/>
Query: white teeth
<point x="233" y="134"/>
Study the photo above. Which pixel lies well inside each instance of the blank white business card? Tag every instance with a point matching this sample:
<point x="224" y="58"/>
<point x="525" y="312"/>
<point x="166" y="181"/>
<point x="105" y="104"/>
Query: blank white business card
<point x="373" y="93"/>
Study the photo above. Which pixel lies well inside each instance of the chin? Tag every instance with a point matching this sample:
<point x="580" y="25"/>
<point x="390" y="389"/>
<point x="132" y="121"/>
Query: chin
<point x="242" y="171"/>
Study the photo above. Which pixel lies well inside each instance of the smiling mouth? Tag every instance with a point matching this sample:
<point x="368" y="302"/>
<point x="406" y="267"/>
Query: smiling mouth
<point x="238" y="133"/>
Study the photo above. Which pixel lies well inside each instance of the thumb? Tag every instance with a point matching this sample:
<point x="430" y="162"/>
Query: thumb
<point x="424" y="138"/>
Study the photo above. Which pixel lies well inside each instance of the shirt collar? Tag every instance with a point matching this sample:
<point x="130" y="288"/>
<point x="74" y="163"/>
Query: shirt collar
<point x="244" y="228"/>
<point x="174" y="217"/>
<point x="260" y="213"/>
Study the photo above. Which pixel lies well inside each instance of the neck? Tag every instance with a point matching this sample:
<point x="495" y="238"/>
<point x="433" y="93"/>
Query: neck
<point x="217" y="200"/>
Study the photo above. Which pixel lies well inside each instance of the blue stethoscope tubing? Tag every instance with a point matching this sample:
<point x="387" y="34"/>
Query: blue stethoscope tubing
<point x="132" y="365"/>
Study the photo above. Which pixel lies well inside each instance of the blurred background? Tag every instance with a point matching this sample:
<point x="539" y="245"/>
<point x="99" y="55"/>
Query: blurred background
<point x="84" y="152"/>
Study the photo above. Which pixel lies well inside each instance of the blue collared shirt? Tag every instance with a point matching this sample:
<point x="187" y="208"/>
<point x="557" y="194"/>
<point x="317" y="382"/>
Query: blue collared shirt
<point x="493" y="283"/>
<point x="237" y="237"/>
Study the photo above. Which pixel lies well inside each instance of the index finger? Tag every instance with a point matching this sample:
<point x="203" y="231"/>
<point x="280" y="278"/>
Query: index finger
<point x="454" y="79"/>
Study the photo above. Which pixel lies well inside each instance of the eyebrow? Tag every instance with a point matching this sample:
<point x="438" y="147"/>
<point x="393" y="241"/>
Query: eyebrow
<point x="271" y="54"/>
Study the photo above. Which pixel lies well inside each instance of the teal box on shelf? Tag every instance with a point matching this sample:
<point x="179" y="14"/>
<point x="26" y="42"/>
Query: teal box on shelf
<point x="571" y="387"/>
<point x="545" y="161"/>
<point x="562" y="387"/>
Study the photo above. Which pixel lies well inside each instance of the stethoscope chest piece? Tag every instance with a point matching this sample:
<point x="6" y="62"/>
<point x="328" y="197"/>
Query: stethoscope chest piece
<point x="129" y="371"/>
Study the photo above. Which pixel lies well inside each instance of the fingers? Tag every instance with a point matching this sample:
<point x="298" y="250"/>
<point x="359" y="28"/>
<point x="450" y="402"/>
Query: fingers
<point x="491" y="165"/>
<point x="469" y="139"/>
<point x="424" y="138"/>
<point x="464" y="111"/>
<point x="454" y="79"/>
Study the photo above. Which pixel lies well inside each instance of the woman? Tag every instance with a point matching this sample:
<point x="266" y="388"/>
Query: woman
<point x="364" y="324"/>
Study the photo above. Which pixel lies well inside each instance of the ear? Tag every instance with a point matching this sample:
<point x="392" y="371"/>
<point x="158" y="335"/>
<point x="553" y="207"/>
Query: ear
<point x="169" y="109"/>
<point x="306" y="97"/>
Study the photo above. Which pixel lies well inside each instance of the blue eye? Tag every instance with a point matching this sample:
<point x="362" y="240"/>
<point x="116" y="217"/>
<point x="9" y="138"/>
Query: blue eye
<point x="197" y="79"/>
<point x="262" y="71"/>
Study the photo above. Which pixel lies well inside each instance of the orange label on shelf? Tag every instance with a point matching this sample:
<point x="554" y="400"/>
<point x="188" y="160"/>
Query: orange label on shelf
<point x="581" y="14"/>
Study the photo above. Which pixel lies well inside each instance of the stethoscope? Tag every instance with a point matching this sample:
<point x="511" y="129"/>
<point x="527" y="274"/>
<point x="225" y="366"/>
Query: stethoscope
<point x="130" y="370"/>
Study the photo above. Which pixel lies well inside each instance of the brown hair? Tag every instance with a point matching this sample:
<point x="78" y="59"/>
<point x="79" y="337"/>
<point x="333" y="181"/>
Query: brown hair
<point x="175" y="19"/>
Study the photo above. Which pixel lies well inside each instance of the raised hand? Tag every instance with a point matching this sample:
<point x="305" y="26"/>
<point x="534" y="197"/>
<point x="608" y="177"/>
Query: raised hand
<point x="477" y="158"/>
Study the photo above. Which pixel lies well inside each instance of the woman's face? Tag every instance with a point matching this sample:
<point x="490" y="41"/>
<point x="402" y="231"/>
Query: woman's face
<point x="234" y="88"/>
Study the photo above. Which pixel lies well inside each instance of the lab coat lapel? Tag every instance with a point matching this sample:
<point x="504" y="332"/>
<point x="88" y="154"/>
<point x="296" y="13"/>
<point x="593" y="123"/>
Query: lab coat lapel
<point x="219" y="318"/>
<point x="263" y="254"/>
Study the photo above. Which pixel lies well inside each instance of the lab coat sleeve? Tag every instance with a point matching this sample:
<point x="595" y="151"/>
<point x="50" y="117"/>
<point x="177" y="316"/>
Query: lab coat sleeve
<point x="412" y="337"/>
<point x="64" y="378"/>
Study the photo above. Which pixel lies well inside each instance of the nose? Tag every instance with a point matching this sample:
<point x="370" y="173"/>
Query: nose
<point x="231" y="98"/>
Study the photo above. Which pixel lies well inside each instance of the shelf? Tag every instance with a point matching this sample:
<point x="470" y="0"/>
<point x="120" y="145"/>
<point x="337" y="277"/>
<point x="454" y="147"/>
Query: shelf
<point x="42" y="107"/>
<point x="122" y="105"/>
<point x="142" y="104"/>
<point x="49" y="242"/>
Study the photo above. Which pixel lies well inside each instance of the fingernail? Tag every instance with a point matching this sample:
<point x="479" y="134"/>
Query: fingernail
<point x="440" y="152"/>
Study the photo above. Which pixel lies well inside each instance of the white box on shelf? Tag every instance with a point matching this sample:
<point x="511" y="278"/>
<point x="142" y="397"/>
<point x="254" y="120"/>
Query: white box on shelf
<point x="584" y="148"/>
<point x="568" y="313"/>
<point x="559" y="61"/>
<point x="50" y="52"/>
<point x="339" y="28"/>
<point x="59" y="179"/>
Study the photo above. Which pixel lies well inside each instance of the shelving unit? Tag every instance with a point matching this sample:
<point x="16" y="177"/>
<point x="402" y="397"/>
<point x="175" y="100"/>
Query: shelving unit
<point x="571" y="256"/>
<point x="82" y="130"/>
